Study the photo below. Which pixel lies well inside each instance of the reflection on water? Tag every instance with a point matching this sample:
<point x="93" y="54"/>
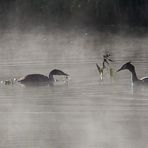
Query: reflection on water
<point x="85" y="112"/>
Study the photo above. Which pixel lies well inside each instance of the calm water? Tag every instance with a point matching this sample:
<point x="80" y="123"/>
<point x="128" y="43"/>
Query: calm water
<point x="84" y="113"/>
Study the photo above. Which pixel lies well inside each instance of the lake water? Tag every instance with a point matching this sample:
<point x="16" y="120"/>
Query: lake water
<point x="83" y="113"/>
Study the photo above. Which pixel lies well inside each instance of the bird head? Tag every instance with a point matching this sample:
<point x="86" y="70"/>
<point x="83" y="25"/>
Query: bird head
<point x="127" y="65"/>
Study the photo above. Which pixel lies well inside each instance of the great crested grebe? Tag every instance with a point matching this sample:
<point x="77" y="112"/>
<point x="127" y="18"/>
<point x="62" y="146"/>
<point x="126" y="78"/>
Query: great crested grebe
<point x="39" y="78"/>
<point x="135" y="79"/>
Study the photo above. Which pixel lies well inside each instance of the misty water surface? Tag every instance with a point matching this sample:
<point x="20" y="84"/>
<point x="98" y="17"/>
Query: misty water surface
<point x="86" y="112"/>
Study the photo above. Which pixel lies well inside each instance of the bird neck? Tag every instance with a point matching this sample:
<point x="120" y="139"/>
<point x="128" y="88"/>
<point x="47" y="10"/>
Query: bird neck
<point x="51" y="78"/>
<point x="134" y="75"/>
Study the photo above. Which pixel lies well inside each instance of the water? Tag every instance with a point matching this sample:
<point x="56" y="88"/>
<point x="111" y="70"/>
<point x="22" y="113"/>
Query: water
<point x="83" y="113"/>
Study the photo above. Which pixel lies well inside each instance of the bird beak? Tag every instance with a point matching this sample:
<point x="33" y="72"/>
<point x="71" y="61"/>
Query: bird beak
<point x="66" y="74"/>
<point x="119" y="70"/>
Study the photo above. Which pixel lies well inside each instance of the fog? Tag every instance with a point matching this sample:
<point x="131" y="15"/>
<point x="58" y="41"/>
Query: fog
<point x="86" y="111"/>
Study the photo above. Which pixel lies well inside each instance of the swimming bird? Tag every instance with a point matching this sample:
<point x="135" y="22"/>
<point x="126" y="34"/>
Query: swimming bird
<point x="42" y="79"/>
<point x="135" y="79"/>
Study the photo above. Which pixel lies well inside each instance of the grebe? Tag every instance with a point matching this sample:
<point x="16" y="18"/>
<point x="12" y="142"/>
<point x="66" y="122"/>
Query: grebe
<point x="39" y="78"/>
<point x="135" y="79"/>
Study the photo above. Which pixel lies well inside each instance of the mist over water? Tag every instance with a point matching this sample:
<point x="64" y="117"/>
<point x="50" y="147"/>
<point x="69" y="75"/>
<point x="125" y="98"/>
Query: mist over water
<point x="85" y="112"/>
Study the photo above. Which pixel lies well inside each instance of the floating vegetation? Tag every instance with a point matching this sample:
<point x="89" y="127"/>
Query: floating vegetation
<point x="100" y="71"/>
<point x="106" y="65"/>
<point x="9" y="82"/>
<point x="61" y="78"/>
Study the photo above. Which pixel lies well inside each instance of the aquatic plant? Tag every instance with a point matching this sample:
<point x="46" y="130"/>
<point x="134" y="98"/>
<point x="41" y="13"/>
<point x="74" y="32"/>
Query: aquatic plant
<point x="106" y="65"/>
<point x="9" y="82"/>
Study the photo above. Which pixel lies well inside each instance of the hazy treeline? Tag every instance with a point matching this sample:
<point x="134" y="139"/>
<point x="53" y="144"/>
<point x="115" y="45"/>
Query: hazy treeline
<point x="98" y="12"/>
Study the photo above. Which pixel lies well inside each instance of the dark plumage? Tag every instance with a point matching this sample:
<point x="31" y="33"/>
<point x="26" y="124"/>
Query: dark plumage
<point x="39" y="78"/>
